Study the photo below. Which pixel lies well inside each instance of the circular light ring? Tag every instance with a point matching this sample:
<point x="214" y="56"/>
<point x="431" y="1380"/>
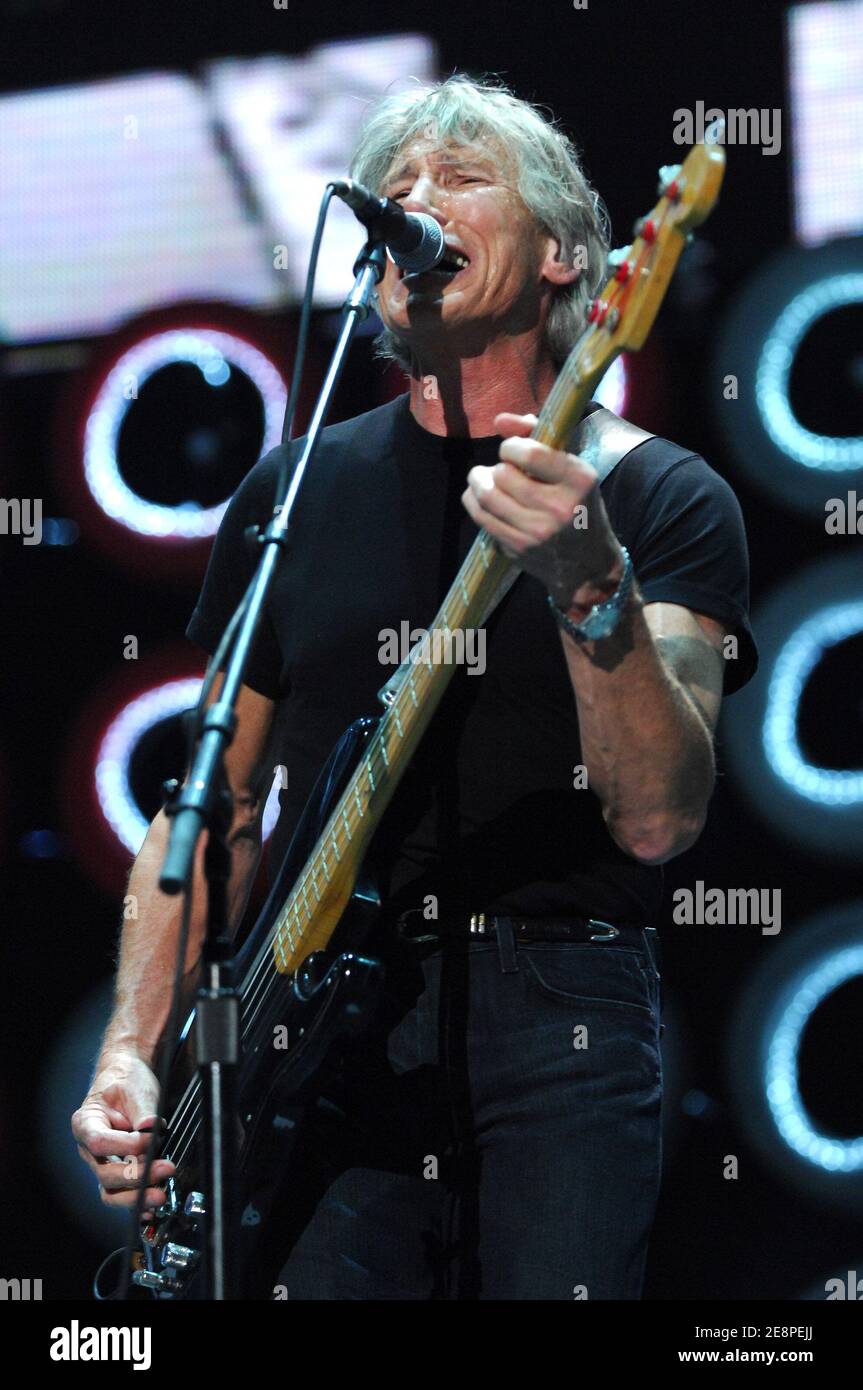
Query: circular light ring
<point x="795" y="626"/>
<point x="757" y="342"/>
<point x="117" y="745"/>
<point x="211" y="352"/>
<point x="792" y="668"/>
<point x="797" y="974"/>
<point x="780" y="1074"/>
<point x="774" y="370"/>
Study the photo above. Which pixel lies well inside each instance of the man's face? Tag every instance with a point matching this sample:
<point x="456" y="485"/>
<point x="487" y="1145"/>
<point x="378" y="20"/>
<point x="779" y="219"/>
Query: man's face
<point x="473" y="196"/>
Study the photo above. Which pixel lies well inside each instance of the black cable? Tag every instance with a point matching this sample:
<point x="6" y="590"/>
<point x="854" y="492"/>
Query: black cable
<point x="302" y="336"/>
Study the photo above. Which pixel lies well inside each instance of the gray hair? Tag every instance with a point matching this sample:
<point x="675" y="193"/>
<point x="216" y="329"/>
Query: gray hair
<point x="549" y="179"/>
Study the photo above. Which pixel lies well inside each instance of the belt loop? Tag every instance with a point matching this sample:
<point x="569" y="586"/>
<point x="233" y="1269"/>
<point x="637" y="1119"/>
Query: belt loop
<point x="506" y="945"/>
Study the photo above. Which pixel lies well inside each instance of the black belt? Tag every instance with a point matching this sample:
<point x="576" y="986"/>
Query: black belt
<point x="480" y="926"/>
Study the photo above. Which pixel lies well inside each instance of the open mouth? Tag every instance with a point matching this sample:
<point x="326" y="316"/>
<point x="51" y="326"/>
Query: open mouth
<point x="452" y="264"/>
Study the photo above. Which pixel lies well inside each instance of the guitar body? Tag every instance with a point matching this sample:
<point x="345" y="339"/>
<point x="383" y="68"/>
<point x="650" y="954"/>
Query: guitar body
<point x="287" y="1038"/>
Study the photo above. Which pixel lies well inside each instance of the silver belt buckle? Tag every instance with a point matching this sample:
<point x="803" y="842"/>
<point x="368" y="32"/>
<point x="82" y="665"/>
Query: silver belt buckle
<point x="608" y="934"/>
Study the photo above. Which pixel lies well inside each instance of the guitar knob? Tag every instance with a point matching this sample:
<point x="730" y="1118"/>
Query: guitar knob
<point x="194" y="1205"/>
<point x="148" y="1279"/>
<point x="179" y="1256"/>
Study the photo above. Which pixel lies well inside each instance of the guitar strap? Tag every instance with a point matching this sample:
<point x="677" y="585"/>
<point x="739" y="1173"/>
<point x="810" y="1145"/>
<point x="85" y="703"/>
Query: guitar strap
<point x="602" y="439"/>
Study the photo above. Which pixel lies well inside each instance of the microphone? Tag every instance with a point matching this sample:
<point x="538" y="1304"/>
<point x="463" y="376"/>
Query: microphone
<point x="414" y="239"/>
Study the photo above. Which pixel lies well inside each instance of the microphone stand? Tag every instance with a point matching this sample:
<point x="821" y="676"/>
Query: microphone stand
<point x="205" y="802"/>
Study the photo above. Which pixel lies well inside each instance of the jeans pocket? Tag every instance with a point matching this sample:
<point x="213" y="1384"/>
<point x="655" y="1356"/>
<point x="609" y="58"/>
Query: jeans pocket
<point x="590" y="975"/>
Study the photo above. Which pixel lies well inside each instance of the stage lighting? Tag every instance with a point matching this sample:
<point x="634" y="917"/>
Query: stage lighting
<point x="113" y="783"/>
<point x="786" y="376"/>
<point x="156" y="435"/>
<point x="213" y="354"/>
<point x="771" y="1069"/>
<point x="825" y="75"/>
<point x="794" y="735"/>
<point x="126" y="742"/>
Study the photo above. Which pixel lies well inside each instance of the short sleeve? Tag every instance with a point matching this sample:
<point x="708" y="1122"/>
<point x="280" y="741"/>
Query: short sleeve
<point x="231" y="566"/>
<point x="690" y="548"/>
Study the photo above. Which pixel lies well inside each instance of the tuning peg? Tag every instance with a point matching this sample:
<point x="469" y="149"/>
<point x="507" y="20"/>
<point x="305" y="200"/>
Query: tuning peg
<point x="668" y="186"/>
<point x="645" y="228"/>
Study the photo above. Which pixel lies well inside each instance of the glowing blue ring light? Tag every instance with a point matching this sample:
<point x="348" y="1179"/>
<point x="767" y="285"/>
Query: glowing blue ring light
<point x="758" y="339"/>
<point x="117" y="745"/>
<point x="797" y="973"/>
<point x="795" y="663"/>
<point x="774" y="370"/>
<point x="212" y="353"/>
<point x="780" y="1076"/>
<point x="819" y="808"/>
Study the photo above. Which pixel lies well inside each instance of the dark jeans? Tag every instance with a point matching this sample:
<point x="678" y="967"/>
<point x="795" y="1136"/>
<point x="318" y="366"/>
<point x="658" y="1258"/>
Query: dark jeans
<point x="496" y="1136"/>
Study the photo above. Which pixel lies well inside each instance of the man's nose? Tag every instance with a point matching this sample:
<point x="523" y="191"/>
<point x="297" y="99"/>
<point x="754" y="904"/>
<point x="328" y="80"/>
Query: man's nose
<point x="425" y="196"/>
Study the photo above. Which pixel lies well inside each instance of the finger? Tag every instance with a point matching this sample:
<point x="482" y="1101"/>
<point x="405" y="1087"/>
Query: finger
<point x="532" y="524"/>
<point x="114" y="1174"/>
<point x="103" y="1142"/>
<point x="550" y="465"/>
<point x="531" y="493"/>
<point x="512" y="542"/>
<point x="507" y="423"/>
<point x="155" y="1197"/>
<point x="149" y="1122"/>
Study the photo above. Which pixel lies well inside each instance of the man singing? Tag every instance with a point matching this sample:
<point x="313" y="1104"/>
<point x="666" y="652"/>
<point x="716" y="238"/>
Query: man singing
<point x="495" y="1134"/>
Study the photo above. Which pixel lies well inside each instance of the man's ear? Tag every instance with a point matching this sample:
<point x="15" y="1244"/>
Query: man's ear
<point x="556" y="271"/>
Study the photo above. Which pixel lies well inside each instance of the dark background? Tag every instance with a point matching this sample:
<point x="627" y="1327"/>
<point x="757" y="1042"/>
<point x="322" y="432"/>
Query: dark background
<point x="613" y="74"/>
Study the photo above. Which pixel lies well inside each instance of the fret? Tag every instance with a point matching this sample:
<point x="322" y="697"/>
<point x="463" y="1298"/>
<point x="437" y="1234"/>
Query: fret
<point x="347" y="824"/>
<point x="358" y="800"/>
<point x="370" y="774"/>
<point x="385" y="755"/>
<point x="398" y="721"/>
<point x="336" y="847"/>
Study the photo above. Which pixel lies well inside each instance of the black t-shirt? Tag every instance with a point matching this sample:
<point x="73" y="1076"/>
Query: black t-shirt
<point x="491" y="815"/>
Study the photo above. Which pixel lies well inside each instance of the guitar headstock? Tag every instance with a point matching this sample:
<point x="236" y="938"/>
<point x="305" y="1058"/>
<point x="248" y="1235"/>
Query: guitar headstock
<point x="623" y="312"/>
